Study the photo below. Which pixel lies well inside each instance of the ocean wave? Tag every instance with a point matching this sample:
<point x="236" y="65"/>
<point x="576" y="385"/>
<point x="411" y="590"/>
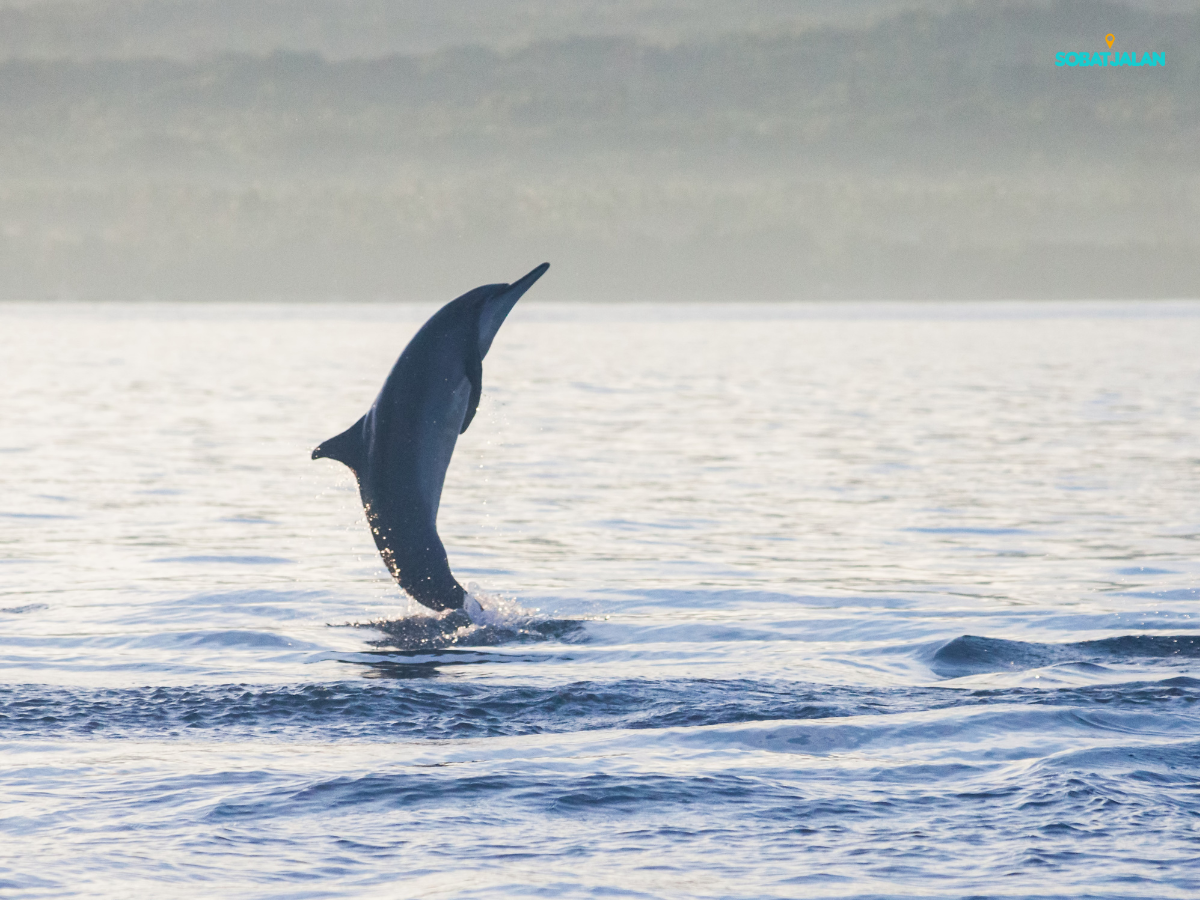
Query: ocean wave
<point x="972" y="655"/>
<point x="442" y="709"/>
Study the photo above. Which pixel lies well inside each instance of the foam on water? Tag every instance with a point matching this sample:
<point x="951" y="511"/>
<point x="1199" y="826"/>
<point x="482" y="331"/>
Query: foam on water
<point x="823" y="601"/>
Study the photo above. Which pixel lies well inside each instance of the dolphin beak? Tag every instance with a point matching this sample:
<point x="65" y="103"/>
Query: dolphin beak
<point x="521" y="285"/>
<point x="497" y="307"/>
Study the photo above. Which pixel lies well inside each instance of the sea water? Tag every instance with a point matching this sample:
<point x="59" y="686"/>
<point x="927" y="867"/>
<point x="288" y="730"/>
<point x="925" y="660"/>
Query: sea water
<point x="867" y="600"/>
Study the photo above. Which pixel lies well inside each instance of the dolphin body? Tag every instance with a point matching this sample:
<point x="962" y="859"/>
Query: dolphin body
<point x="400" y="450"/>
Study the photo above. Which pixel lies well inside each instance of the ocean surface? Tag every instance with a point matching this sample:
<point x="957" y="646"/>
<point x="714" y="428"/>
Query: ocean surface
<point x="858" y="600"/>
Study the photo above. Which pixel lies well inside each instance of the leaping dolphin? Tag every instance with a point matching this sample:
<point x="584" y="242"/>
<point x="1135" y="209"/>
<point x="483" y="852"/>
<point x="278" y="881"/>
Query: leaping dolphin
<point x="400" y="450"/>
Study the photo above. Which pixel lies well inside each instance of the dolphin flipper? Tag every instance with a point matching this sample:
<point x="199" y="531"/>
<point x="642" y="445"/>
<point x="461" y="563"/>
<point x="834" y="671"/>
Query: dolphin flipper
<point x="475" y="376"/>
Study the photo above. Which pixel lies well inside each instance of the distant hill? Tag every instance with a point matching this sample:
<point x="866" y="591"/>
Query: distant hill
<point x="341" y="29"/>
<point x="918" y="154"/>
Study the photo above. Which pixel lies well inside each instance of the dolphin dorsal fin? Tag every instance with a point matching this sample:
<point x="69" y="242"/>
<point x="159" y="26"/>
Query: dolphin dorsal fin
<point x="348" y="447"/>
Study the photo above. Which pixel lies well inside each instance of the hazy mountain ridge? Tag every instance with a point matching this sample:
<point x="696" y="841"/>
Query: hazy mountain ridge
<point x="346" y="29"/>
<point x="925" y="155"/>
<point x="967" y="80"/>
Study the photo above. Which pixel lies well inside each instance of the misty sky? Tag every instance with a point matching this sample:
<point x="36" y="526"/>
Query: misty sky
<point x="321" y="149"/>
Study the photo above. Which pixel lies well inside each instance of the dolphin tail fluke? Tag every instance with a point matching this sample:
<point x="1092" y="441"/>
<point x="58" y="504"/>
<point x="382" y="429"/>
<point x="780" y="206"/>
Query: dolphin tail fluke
<point x="348" y="448"/>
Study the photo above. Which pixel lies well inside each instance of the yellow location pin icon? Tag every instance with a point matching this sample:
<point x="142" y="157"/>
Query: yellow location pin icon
<point x="1110" y="39"/>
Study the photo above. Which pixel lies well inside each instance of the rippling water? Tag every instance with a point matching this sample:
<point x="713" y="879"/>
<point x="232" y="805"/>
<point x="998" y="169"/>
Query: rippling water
<point x="782" y="601"/>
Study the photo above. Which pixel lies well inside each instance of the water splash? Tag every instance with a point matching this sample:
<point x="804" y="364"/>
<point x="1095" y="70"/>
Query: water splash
<point x="488" y="610"/>
<point x="486" y="620"/>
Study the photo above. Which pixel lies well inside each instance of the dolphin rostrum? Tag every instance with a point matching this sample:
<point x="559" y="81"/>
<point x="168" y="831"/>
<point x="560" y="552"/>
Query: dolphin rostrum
<point x="400" y="450"/>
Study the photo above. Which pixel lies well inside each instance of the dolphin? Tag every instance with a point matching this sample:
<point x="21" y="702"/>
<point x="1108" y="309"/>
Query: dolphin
<point x="400" y="450"/>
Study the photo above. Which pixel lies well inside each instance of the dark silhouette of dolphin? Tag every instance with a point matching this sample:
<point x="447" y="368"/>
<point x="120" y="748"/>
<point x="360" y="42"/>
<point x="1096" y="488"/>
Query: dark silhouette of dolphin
<point x="400" y="450"/>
